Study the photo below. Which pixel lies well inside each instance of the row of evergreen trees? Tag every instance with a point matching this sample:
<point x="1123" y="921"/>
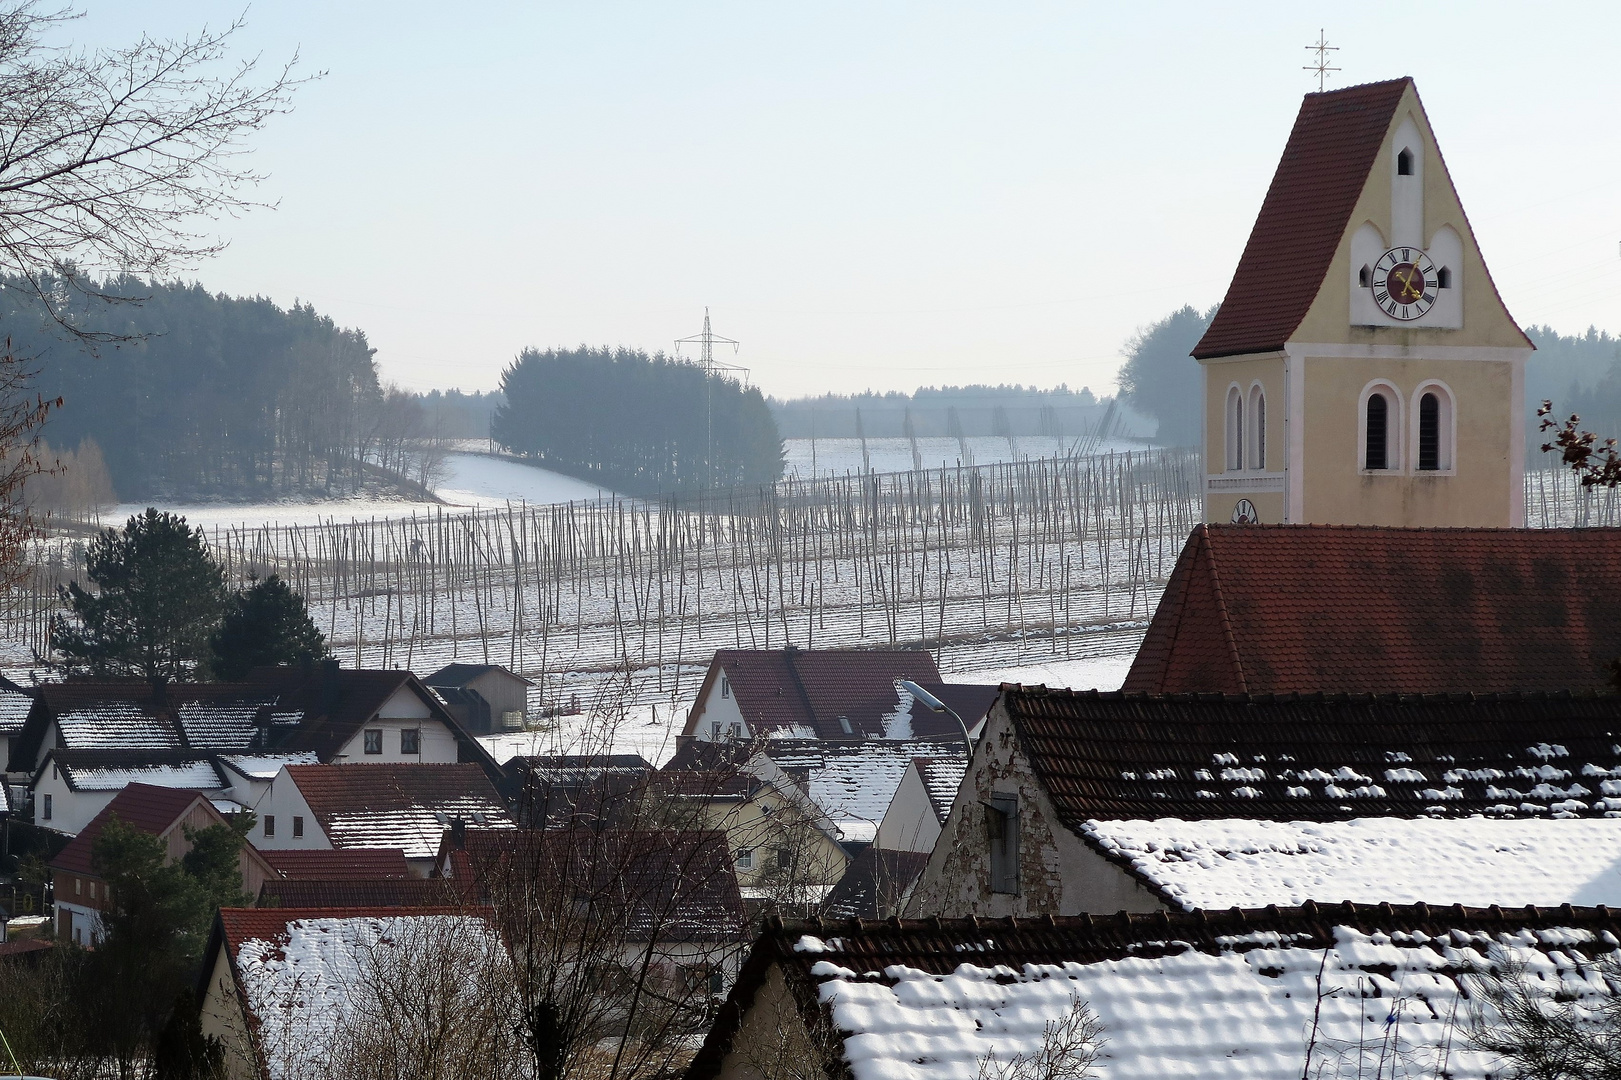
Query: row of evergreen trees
<point x="636" y="423"/>
<point x="192" y="392"/>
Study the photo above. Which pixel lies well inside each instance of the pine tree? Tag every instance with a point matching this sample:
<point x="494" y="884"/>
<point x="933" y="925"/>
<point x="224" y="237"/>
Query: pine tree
<point x="159" y="597"/>
<point x="265" y="624"/>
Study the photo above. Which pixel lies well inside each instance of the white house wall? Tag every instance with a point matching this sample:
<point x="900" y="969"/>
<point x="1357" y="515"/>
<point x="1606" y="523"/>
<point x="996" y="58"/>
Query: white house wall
<point x="71" y="810"/>
<point x="712" y="709"/>
<point x="910" y="823"/>
<point x="284" y="801"/>
<point x="438" y="744"/>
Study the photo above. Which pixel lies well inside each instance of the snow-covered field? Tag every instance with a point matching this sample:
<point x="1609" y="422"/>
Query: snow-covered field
<point x="477" y="480"/>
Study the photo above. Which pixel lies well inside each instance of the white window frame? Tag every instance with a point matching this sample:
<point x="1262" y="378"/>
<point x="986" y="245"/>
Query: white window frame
<point x="1255" y="451"/>
<point x="1449" y="427"/>
<point x="744" y="859"/>
<point x="1395" y="429"/>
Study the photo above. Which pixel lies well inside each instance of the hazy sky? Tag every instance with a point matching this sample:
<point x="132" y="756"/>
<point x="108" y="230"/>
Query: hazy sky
<point x="868" y="195"/>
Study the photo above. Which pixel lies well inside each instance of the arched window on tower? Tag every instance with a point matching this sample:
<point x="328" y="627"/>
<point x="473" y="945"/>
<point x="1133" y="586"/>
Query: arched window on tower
<point x="1256" y="451"/>
<point x="1404" y="163"/>
<point x="1235" y="430"/>
<point x="1434" y="435"/>
<point x="1376" y="449"/>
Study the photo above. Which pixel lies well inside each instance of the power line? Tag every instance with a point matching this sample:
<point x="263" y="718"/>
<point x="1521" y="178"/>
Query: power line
<point x="706" y="342"/>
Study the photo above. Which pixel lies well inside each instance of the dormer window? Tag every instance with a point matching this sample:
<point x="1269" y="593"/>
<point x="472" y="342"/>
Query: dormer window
<point x="1404" y="163"/>
<point x="1443" y="278"/>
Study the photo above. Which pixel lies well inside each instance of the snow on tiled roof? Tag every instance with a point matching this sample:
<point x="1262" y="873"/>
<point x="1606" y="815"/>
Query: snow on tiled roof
<point x="1473" y="861"/>
<point x="14" y="706"/>
<point x="941" y="779"/>
<point x="266" y="766"/>
<point x="397" y="806"/>
<point x="853" y="782"/>
<point x="115" y="725"/>
<point x="299" y="970"/>
<point x="1245" y="995"/>
<point x="195" y="775"/>
<point x="221" y="724"/>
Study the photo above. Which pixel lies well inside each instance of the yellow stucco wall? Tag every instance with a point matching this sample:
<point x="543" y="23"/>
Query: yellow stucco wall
<point x="1338" y="491"/>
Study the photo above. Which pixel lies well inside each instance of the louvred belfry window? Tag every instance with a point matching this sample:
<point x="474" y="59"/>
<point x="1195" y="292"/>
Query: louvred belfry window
<point x="1376" y="453"/>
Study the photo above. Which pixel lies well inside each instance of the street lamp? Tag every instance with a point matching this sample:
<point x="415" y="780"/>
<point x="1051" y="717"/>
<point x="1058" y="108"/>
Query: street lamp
<point x="934" y="704"/>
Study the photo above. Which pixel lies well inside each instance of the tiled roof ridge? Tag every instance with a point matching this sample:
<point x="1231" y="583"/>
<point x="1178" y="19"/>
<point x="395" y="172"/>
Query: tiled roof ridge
<point x="245" y="922"/>
<point x="1331" y="697"/>
<point x="1380" y="83"/>
<point x="1309" y="914"/>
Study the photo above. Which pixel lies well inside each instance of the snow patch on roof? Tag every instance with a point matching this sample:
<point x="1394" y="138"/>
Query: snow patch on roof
<point x="300" y="988"/>
<point x="1472" y="861"/>
<point x="266" y="766"/>
<point x="114" y="725"/>
<point x="417" y="829"/>
<point x="1245" y="1012"/>
<point x="188" y="775"/>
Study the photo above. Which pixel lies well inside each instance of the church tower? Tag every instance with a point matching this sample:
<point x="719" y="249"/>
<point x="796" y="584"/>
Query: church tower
<point x="1362" y="368"/>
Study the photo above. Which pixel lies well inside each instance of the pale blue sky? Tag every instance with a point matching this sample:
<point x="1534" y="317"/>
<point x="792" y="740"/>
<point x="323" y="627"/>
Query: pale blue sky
<point x="867" y="194"/>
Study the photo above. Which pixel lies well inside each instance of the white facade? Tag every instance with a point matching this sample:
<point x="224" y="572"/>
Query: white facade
<point x="284" y="820"/>
<point x="60" y="808"/>
<point x="400" y="715"/>
<point x="718" y="719"/>
<point x="910" y="823"/>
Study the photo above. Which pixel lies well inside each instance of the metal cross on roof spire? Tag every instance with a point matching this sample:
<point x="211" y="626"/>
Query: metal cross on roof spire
<point x="1322" y="49"/>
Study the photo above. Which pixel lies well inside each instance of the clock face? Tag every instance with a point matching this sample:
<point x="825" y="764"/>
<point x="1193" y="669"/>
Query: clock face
<point x="1244" y="513"/>
<point x="1404" y="283"/>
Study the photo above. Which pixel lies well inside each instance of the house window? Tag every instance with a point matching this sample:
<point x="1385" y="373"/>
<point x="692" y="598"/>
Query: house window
<point x="1002" y="831"/>
<point x="1257" y="447"/>
<point x="745" y="858"/>
<point x="411" y="741"/>
<point x="1404" y="163"/>
<point x="785" y="858"/>
<point x="844" y="725"/>
<point x="734" y="731"/>
<point x="717" y="983"/>
<point x="47" y="808"/>
<point x="374" y="740"/>
<point x="1443" y="278"/>
<point x="298" y="825"/>
<point x="714" y="731"/>
<point x="270" y="824"/>
<point x="92" y="890"/>
<point x="78" y="886"/>
<point x="1235" y="430"/>
<point x="1376" y="453"/>
<point x="725" y="687"/>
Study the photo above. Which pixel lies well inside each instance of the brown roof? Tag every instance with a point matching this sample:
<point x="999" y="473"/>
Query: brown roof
<point x="1304" y="216"/>
<point x="811" y="689"/>
<point x="394" y="805"/>
<point x="141" y="806"/>
<point x="1317" y="758"/>
<point x="1306" y="608"/>
<point x="875" y="884"/>
<point x="677" y="885"/>
<point x="338" y="864"/>
<point x="874" y="950"/>
<point x="240" y="925"/>
<point x="367" y="893"/>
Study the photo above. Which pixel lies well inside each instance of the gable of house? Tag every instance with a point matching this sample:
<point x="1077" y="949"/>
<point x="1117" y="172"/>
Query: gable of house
<point x="806" y="693"/>
<point x="1316" y="608"/>
<point x="394" y="806"/>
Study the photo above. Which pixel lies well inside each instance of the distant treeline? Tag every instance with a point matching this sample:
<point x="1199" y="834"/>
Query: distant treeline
<point x="453" y="414"/>
<point x="1579" y="373"/>
<point x="206" y="394"/>
<point x="950" y="411"/>
<point x="636" y="423"/>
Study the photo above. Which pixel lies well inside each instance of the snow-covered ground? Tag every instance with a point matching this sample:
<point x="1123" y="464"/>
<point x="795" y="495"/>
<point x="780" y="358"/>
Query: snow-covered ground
<point x="835" y="457"/>
<point x="477" y="480"/>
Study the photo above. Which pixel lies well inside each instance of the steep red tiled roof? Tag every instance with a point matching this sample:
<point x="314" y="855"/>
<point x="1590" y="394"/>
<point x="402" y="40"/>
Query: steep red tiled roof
<point x="1360" y="609"/>
<point x="339" y="864"/>
<point x="140" y="806"/>
<point x="811" y="689"/>
<point x="1303" y="218"/>
<point x="396" y="806"/>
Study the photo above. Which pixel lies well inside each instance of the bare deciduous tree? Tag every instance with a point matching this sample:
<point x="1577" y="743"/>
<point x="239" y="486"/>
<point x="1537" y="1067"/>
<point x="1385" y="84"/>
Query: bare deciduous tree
<point x="1539" y="1033"/>
<point x="1069" y="1047"/>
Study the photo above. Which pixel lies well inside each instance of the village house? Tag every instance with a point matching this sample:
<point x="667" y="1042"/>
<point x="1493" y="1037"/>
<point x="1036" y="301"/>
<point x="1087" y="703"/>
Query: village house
<point x="15" y="703"/>
<point x="827" y="694"/>
<point x="84" y="740"/>
<point x="663" y="899"/>
<point x="1086" y="802"/>
<point x="484" y="698"/>
<point x="554" y="791"/>
<point x="877" y="886"/>
<point x="280" y="987"/>
<point x="1301" y="609"/>
<point x="921" y="804"/>
<point x="166" y="813"/>
<point x="1269" y="994"/>
<point x="403" y="806"/>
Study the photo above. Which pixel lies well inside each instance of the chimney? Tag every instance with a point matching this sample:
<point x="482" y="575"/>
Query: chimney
<point x="458" y="835"/>
<point x="329" y="686"/>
